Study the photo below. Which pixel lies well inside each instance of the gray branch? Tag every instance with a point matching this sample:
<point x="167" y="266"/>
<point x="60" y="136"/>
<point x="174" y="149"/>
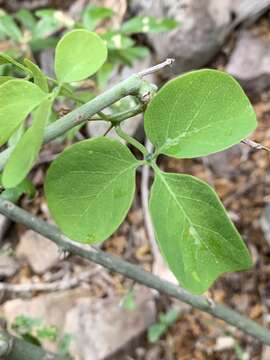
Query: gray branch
<point x="134" y="272"/>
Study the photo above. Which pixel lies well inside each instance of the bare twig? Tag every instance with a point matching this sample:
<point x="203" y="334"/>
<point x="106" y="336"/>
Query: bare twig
<point x="155" y="68"/>
<point x="66" y="283"/>
<point x="134" y="272"/>
<point x="254" y="145"/>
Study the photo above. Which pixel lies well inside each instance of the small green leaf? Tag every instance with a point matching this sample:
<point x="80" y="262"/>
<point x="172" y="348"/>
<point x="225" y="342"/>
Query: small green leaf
<point x="10" y="28"/>
<point x="17" y="99"/>
<point x="148" y="24"/>
<point x="26" y="151"/>
<point x="39" y="77"/>
<point x="93" y="15"/>
<point x="14" y="194"/>
<point x="78" y="55"/>
<point x="196" y="236"/>
<point x="170" y="317"/>
<point x="155" y="332"/>
<point x="117" y="41"/>
<point x="128" y="302"/>
<point x="90" y="187"/>
<point x="199" y="113"/>
<point x="26" y="18"/>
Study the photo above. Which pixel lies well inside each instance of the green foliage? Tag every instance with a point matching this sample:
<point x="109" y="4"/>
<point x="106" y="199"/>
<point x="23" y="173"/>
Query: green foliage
<point x="199" y="113"/>
<point x="148" y="24"/>
<point x="17" y="99"/>
<point x="128" y="302"/>
<point x="157" y="330"/>
<point x="26" y="151"/>
<point x="78" y="55"/>
<point x="93" y="15"/>
<point x="195" y="235"/>
<point x="14" y="194"/>
<point x="33" y="331"/>
<point x="89" y="188"/>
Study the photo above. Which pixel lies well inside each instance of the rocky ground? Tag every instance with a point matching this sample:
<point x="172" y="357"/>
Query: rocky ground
<point x="85" y="300"/>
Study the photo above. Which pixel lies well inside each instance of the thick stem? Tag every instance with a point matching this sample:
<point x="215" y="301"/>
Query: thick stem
<point x="12" y="348"/>
<point x="134" y="272"/>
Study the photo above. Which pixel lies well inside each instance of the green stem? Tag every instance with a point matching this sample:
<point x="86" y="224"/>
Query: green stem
<point x="131" y="141"/>
<point x="134" y="272"/>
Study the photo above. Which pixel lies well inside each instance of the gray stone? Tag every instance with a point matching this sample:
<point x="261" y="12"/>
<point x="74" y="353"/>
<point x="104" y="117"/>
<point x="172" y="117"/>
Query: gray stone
<point x="102" y="328"/>
<point x="8" y="266"/>
<point x="250" y="62"/>
<point x="41" y="253"/>
<point x="204" y="26"/>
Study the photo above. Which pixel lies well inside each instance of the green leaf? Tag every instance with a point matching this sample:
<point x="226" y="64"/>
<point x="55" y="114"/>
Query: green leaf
<point x="14" y="194"/>
<point x="155" y="332"/>
<point x="26" y="151"/>
<point x="39" y="77"/>
<point x="199" y="113"/>
<point x="170" y="317"/>
<point x="10" y="28"/>
<point x="26" y="18"/>
<point x="90" y="187"/>
<point x="148" y="24"/>
<point x="103" y="74"/>
<point x="4" y="79"/>
<point x="6" y="59"/>
<point x="128" y="302"/>
<point x="78" y="55"/>
<point x="195" y="235"/>
<point x="117" y="41"/>
<point x="17" y="99"/>
<point x="93" y="15"/>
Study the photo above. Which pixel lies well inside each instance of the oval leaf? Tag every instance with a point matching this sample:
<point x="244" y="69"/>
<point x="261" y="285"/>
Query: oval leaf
<point x="26" y="151"/>
<point x="196" y="236"/>
<point x="199" y="113"/>
<point x="78" y="55"/>
<point x="90" y="187"/>
<point x="17" y="99"/>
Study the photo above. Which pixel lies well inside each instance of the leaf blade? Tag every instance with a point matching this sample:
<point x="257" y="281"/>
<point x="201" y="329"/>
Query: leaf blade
<point x="196" y="237"/>
<point x="199" y="113"/>
<point x="90" y="187"/>
<point x="78" y="55"/>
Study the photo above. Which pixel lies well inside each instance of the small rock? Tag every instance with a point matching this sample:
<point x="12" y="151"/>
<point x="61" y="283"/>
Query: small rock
<point x="41" y="253"/>
<point x="251" y="68"/>
<point x="8" y="266"/>
<point x="102" y="327"/>
<point x="224" y="343"/>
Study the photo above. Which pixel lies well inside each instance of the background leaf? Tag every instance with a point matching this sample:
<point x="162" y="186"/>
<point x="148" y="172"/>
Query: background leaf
<point x="148" y="24"/>
<point x="78" y="55"/>
<point x="39" y="77"/>
<point x="196" y="237"/>
<point x="89" y="188"/>
<point x="26" y="151"/>
<point x="93" y="15"/>
<point x="17" y="99"/>
<point x="199" y="113"/>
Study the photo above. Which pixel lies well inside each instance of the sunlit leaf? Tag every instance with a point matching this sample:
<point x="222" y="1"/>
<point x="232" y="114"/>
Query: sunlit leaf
<point x="195" y="235"/>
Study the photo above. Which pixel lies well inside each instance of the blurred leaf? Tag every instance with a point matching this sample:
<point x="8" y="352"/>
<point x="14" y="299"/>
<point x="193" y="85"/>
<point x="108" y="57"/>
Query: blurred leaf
<point x="31" y="339"/>
<point x="116" y="40"/>
<point x="170" y="317"/>
<point x="132" y="54"/>
<point x="128" y="302"/>
<point x="6" y="59"/>
<point x="4" y="79"/>
<point x="64" y="343"/>
<point x="41" y="44"/>
<point x="155" y="332"/>
<point x="78" y="55"/>
<point x="93" y="15"/>
<point x="148" y="24"/>
<point x="103" y="74"/>
<point x="26" y="18"/>
<point x="24" y="324"/>
<point x="10" y="28"/>
<point x="39" y="77"/>
<point x="49" y="333"/>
